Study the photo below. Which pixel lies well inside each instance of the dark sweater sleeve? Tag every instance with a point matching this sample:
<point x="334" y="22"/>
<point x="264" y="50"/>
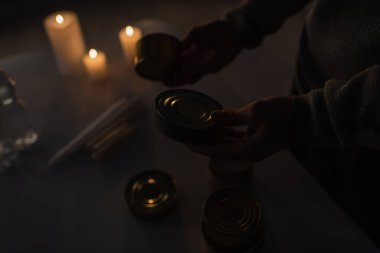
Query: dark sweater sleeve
<point x="256" y="18"/>
<point x="342" y="114"/>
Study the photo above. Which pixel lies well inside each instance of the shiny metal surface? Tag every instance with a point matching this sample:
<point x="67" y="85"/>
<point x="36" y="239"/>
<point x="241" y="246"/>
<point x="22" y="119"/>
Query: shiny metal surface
<point x="151" y="194"/>
<point x="185" y="115"/>
<point x="232" y="221"/>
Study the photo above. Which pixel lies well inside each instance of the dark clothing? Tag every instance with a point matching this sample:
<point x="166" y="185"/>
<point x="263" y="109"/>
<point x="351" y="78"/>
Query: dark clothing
<point x="337" y="101"/>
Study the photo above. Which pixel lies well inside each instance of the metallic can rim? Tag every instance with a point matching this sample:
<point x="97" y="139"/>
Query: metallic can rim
<point x="169" y="93"/>
<point x="153" y="207"/>
<point x="221" y="239"/>
<point x="253" y="217"/>
<point x="248" y="247"/>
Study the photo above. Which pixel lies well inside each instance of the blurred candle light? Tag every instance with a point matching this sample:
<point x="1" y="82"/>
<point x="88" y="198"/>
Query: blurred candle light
<point x="59" y="19"/>
<point x="93" y="53"/>
<point x="65" y="36"/>
<point x="129" y="31"/>
<point x="128" y="37"/>
<point x="95" y="63"/>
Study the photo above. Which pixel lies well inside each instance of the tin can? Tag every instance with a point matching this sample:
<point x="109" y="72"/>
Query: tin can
<point x="232" y="222"/>
<point x="185" y="115"/>
<point x="228" y="172"/>
<point x="158" y="57"/>
<point x="151" y="194"/>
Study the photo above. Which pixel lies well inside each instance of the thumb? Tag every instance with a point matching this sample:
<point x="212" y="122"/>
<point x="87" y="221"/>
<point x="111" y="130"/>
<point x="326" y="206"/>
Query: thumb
<point x="191" y="38"/>
<point x="230" y="117"/>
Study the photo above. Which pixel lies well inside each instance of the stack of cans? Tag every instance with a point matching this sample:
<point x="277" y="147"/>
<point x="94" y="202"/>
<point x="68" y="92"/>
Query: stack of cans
<point x="232" y="218"/>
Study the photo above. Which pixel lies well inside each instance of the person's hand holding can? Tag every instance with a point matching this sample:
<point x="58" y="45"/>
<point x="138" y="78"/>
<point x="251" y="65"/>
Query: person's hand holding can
<point x="268" y="130"/>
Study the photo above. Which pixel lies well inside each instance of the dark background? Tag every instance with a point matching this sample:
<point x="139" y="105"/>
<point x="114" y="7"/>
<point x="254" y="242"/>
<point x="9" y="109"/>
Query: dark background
<point x="22" y="33"/>
<point x="21" y="21"/>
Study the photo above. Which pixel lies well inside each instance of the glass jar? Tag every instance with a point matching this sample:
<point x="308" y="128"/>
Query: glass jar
<point x="16" y="133"/>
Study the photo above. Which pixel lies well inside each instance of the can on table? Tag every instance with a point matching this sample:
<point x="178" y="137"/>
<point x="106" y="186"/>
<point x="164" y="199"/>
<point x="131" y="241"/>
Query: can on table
<point x="232" y="222"/>
<point x="151" y="194"/>
<point x="158" y="57"/>
<point x="185" y="115"/>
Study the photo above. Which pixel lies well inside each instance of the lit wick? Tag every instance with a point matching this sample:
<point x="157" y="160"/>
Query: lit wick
<point x="59" y="19"/>
<point x="129" y="31"/>
<point x="93" y="53"/>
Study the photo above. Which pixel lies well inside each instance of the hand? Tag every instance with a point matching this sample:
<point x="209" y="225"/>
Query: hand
<point x="206" y="49"/>
<point x="268" y="124"/>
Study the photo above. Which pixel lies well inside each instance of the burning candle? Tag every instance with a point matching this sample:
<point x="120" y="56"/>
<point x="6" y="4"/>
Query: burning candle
<point x="128" y="38"/>
<point x="95" y="63"/>
<point x="66" y="39"/>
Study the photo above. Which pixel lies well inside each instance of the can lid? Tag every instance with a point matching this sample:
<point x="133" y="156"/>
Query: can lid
<point x="186" y="108"/>
<point x="230" y="170"/>
<point x="151" y="194"/>
<point x="232" y="219"/>
<point x="231" y="210"/>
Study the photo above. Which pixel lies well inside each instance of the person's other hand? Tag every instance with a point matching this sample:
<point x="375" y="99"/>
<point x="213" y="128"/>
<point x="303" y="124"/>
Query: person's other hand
<point x="205" y="49"/>
<point x="268" y="124"/>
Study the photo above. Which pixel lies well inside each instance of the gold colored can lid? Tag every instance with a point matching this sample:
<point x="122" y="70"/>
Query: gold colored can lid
<point x="232" y="220"/>
<point x="187" y="108"/>
<point x="151" y="194"/>
<point x="185" y="115"/>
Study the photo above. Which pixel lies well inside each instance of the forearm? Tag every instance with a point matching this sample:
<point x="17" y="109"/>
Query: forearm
<point x="256" y="18"/>
<point x="339" y="114"/>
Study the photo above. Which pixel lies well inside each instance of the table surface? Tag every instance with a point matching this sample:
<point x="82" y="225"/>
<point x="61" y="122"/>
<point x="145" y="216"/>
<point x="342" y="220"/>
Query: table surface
<point x="79" y="207"/>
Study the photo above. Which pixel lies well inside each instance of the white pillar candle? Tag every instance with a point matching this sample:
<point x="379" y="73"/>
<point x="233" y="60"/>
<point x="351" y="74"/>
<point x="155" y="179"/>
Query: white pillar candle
<point x="66" y="39"/>
<point x="128" y="38"/>
<point x="95" y="63"/>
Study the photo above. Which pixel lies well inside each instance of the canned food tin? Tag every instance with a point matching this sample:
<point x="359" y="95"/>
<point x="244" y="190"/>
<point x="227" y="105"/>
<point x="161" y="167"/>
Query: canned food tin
<point x="232" y="222"/>
<point x="151" y="194"/>
<point x="158" y="56"/>
<point x="185" y="115"/>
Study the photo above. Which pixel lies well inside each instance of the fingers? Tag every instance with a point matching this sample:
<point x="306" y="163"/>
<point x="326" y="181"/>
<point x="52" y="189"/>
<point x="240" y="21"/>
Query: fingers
<point x="253" y="147"/>
<point x="191" y="38"/>
<point x="191" y="71"/>
<point x="203" y="35"/>
<point x="230" y="117"/>
<point x="230" y="133"/>
<point x="267" y="132"/>
<point x="191" y="54"/>
<point x="198" y="55"/>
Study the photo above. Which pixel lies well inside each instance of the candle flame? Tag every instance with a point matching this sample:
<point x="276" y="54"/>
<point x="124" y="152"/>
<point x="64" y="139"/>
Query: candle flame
<point x="93" y="53"/>
<point x="151" y="181"/>
<point x="59" y="18"/>
<point x="129" y="31"/>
